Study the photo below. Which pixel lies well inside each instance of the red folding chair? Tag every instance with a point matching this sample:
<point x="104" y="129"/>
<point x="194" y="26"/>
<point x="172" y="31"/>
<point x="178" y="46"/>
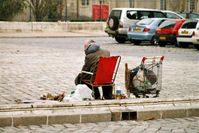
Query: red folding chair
<point x="105" y="73"/>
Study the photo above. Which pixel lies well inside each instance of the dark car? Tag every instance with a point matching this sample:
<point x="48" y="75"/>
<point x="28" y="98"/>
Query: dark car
<point x="167" y="31"/>
<point x="190" y="15"/>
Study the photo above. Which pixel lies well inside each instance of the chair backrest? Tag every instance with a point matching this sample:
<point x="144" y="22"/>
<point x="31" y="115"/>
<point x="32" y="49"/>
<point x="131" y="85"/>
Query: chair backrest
<point x="106" y="70"/>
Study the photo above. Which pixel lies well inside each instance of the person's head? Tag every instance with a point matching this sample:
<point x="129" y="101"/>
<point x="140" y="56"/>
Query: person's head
<point x="90" y="46"/>
<point x="88" y="43"/>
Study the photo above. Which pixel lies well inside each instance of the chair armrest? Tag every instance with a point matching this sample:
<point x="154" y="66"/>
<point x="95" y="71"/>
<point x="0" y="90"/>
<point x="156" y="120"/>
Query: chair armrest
<point x="87" y="72"/>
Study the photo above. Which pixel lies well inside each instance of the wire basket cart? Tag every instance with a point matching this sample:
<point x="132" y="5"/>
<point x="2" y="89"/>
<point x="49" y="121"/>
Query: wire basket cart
<point x="146" y="79"/>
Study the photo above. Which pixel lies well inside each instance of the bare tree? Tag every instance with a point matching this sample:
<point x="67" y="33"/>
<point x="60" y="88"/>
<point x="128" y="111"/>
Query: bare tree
<point x="9" y="8"/>
<point x="40" y="8"/>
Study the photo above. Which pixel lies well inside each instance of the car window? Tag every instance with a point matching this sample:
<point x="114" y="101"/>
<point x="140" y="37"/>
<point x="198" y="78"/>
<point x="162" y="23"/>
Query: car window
<point x="167" y="24"/>
<point x="161" y="22"/>
<point x="116" y="13"/>
<point x="189" y="25"/>
<point x="183" y="14"/>
<point x="172" y="15"/>
<point x="145" y="14"/>
<point x="145" y="22"/>
<point x="159" y="15"/>
<point x="131" y="14"/>
<point x="193" y="16"/>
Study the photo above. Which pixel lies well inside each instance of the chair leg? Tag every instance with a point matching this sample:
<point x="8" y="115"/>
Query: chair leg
<point x="113" y="90"/>
<point x="93" y="93"/>
<point x="96" y="92"/>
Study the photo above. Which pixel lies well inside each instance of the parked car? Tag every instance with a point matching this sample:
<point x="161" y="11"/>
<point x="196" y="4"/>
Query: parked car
<point x="173" y="15"/>
<point x="190" y="15"/>
<point x="144" y="30"/>
<point x="120" y="19"/>
<point x="167" y="31"/>
<point x="189" y="34"/>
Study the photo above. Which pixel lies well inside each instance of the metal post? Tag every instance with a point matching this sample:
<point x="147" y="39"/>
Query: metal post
<point x="77" y="9"/>
<point x="100" y="10"/>
<point x="30" y="16"/>
<point x="66" y="15"/>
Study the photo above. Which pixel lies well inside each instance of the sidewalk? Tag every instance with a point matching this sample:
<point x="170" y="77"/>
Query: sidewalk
<point x="71" y="34"/>
<point x="97" y="111"/>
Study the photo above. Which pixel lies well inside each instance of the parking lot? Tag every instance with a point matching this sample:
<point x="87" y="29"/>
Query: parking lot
<point x="31" y="67"/>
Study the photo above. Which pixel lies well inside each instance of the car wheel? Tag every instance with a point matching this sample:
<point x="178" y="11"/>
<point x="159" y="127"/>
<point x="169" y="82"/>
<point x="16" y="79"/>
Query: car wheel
<point x="154" y="41"/>
<point x="197" y="47"/>
<point x="162" y="44"/>
<point x="175" y="43"/>
<point x="136" y="42"/>
<point x="113" y="23"/>
<point x="120" y="39"/>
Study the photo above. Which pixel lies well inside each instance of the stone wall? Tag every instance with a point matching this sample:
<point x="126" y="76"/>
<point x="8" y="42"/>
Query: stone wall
<point x="50" y="26"/>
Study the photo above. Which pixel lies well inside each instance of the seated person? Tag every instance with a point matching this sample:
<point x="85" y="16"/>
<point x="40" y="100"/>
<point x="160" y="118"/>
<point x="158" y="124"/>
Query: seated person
<point x="93" y="52"/>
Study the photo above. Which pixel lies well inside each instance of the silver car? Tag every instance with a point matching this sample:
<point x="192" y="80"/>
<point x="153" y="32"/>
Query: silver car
<point x="120" y="19"/>
<point x="144" y="30"/>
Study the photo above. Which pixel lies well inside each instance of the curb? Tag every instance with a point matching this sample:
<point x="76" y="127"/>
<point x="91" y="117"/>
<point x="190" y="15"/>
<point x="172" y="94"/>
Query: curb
<point x="97" y="111"/>
<point x="53" y="35"/>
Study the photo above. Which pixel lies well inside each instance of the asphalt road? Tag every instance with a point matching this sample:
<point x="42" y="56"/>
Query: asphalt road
<point x="31" y="67"/>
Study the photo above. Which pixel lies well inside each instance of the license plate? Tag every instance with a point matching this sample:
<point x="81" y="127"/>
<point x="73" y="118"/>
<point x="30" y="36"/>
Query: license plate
<point x="137" y="30"/>
<point x="184" y="32"/>
<point x="162" y="38"/>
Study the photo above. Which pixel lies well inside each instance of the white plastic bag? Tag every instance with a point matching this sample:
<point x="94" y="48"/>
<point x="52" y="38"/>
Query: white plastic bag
<point x="81" y="92"/>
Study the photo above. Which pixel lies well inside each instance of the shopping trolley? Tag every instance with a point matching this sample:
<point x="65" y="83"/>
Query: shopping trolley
<point x="146" y="79"/>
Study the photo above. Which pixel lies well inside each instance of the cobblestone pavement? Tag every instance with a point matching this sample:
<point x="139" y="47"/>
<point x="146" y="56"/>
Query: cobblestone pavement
<point x="180" y="125"/>
<point x="30" y="67"/>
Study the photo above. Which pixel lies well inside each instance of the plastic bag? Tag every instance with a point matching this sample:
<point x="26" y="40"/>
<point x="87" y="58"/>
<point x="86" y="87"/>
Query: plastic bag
<point x="81" y="93"/>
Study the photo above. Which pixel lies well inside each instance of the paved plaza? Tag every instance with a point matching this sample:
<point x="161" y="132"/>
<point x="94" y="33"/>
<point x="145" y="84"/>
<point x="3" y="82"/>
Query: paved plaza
<point x="178" y="125"/>
<point x="34" y="66"/>
<point x="31" y="67"/>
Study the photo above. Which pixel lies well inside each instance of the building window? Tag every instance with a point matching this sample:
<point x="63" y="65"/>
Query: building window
<point x="192" y="5"/>
<point x="85" y="2"/>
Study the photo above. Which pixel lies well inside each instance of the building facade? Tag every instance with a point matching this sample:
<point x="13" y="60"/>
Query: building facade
<point x="82" y="9"/>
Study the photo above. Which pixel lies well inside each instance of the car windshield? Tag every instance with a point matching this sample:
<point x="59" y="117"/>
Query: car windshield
<point x="183" y="14"/>
<point x="167" y="24"/>
<point x="189" y="25"/>
<point x="172" y="15"/>
<point x="194" y="16"/>
<point x="145" y="22"/>
<point x="116" y="13"/>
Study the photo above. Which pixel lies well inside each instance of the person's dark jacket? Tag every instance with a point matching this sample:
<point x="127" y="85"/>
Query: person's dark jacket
<point x="93" y="53"/>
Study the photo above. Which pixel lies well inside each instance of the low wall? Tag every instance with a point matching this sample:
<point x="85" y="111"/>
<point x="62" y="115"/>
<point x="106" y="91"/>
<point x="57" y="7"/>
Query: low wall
<point x="50" y="26"/>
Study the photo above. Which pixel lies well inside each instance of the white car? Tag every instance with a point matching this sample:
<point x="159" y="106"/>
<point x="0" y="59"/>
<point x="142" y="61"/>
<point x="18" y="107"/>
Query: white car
<point x="189" y="34"/>
<point x="120" y="19"/>
<point x="173" y="15"/>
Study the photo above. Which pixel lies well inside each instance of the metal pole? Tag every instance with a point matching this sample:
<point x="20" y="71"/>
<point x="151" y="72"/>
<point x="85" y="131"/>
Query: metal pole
<point x="77" y="9"/>
<point x="100" y="10"/>
<point x="30" y="17"/>
<point x="66" y="15"/>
